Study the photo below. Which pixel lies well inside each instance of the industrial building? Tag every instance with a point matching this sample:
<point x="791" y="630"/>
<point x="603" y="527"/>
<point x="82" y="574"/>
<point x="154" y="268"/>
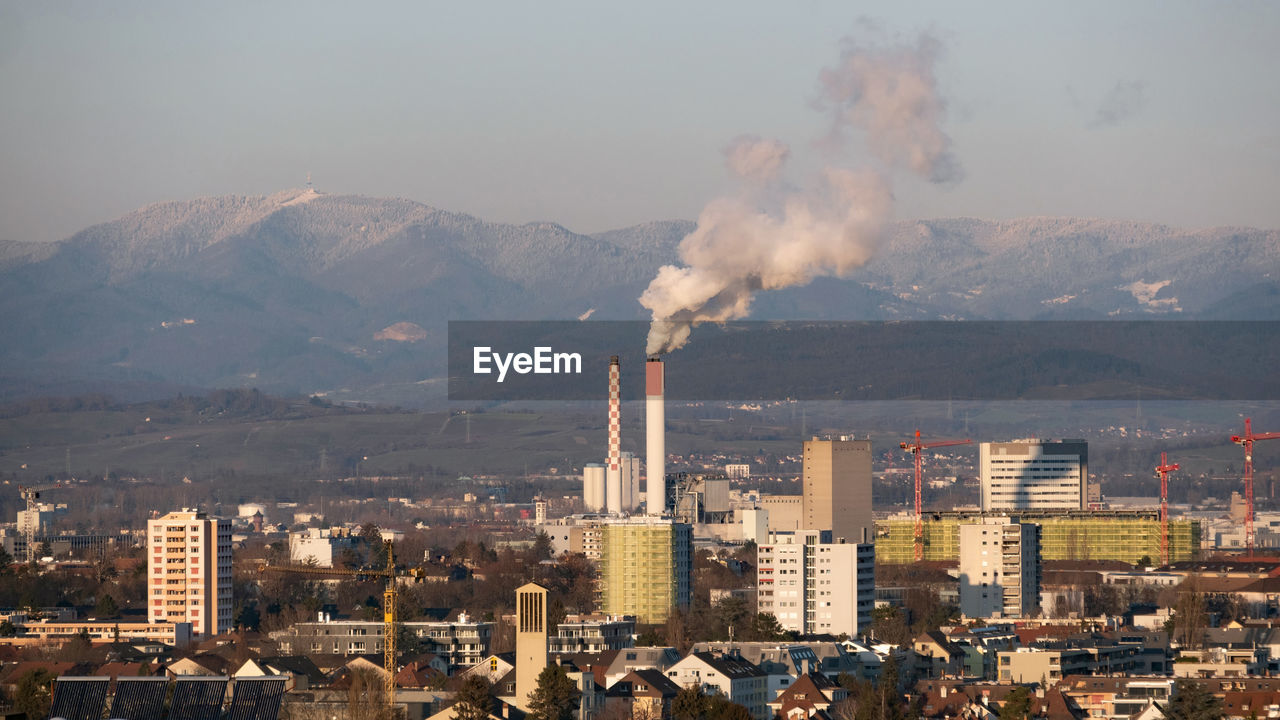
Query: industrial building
<point x="999" y="568"/>
<point x="189" y="572"/>
<point x="1127" y="535"/>
<point x="646" y="567"/>
<point x="837" y="488"/>
<point x="698" y="499"/>
<point x="1034" y="475"/>
<point x="814" y="586"/>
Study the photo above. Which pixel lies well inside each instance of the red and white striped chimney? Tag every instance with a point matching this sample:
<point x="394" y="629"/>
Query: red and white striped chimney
<point x="613" y="467"/>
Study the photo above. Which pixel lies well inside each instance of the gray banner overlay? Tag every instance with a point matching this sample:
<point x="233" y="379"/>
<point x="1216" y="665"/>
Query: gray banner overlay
<point x="764" y="361"/>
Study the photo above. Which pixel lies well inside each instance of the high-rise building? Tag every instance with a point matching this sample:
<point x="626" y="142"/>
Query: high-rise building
<point x="189" y="571"/>
<point x="646" y="567"/>
<point x="1034" y="475"/>
<point x="815" y="586"/>
<point x="837" y="488"/>
<point x="1125" y="535"/>
<point x="999" y="568"/>
<point x="532" y="646"/>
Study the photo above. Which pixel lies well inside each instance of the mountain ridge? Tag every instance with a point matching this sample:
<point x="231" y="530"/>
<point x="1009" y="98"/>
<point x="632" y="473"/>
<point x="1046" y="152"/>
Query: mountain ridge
<point x="289" y="291"/>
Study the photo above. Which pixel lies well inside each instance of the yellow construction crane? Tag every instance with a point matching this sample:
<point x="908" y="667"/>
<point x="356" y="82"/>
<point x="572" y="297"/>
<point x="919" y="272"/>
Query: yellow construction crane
<point x="30" y="494"/>
<point x="391" y="574"/>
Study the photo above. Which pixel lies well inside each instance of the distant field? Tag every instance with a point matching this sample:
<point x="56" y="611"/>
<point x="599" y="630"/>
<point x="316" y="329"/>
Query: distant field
<point x="251" y="435"/>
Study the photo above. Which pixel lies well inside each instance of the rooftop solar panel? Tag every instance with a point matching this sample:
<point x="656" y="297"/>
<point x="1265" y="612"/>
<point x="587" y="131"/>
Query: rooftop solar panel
<point x="139" y="698"/>
<point x="256" y="698"/>
<point x="197" y="698"/>
<point x="79" y="698"/>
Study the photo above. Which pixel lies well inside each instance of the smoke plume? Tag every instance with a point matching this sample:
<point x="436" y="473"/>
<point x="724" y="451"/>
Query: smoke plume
<point x="827" y="228"/>
<point x="756" y="159"/>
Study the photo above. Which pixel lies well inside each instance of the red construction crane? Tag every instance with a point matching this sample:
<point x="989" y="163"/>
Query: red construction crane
<point x="916" y="448"/>
<point x="1246" y="441"/>
<point x="1164" y="468"/>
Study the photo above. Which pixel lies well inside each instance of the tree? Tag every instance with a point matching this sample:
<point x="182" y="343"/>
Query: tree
<point x="6" y="562"/>
<point x="555" y="697"/>
<point x="887" y="690"/>
<point x="377" y="550"/>
<point x="367" y="697"/>
<point x="765" y="626"/>
<point x="889" y="626"/>
<point x="542" y="547"/>
<point x="649" y="638"/>
<point x="1017" y="704"/>
<point x="1189" y="614"/>
<point x="107" y="607"/>
<point x="34" y="693"/>
<point x="863" y="702"/>
<point x="689" y="704"/>
<point x="676" y="631"/>
<point x="719" y="707"/>
<point x="1192" y="702"/>
<point x="472" y="701"/>
<point x="249" y="618"/>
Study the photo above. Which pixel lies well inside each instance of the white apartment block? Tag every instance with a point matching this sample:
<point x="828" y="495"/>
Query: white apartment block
<point x="320" y="545"/>
<point x="999" y="569"/>
<point x="1034" y="475"/>
<point x="189" y="571"/>
<point x="814" y="586"/>
<point x="729" y="675"/>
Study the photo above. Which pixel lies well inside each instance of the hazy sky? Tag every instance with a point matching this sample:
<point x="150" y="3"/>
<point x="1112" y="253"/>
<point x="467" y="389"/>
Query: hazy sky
<point x="601" y="115"/>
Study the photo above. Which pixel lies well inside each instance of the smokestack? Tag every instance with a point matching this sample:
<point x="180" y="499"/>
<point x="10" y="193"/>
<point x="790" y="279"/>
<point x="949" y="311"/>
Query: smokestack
<point x="655" y="422"/>
<point x="613" y="478"/>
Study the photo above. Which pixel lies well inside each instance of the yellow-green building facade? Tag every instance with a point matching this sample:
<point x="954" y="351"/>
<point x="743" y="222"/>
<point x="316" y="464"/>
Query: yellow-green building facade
<point x="1084" y="535"/>
<point x="646" y="567"/>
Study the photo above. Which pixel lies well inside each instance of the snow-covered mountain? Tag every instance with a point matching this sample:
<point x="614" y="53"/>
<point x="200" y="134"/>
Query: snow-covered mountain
<point x="301" y="291"/>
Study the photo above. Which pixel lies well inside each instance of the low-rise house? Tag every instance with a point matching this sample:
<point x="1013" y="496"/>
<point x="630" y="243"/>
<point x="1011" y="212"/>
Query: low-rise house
<point x="732" y="676"/>
<point x="940" y="657"/>
<point x="951" y="699"/>
<point x="645" y="694"/>
<point x="493" y="668"/>
<point x="811" y="696"/>
<point x="302" y="673"/>
<point x="640" y="658"/>
<point x="425" y="671"/>
<point x="204" y="664"/>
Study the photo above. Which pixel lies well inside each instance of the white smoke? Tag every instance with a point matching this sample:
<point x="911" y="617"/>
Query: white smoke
<point x="892" y="95"/>
<point x="756" y="159"/>
<point x="826" y="229"/>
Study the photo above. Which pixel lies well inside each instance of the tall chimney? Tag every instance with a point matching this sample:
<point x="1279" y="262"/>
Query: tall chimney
<point x="655" y="421"/>
<point x="613" y="477"/>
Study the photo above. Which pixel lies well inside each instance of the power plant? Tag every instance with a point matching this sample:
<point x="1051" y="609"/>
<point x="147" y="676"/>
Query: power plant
<point x="613" y="487"/>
